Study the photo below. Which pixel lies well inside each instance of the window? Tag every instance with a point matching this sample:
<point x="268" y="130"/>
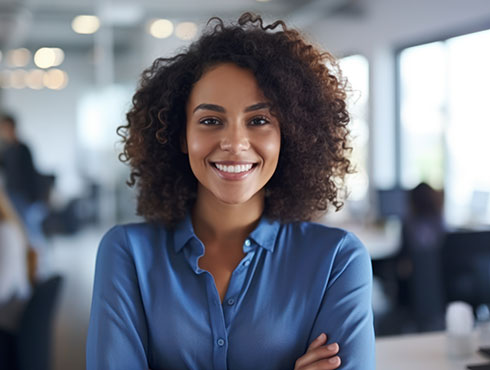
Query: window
<point x="445" y="125"/>
<point x="356" y="69"/>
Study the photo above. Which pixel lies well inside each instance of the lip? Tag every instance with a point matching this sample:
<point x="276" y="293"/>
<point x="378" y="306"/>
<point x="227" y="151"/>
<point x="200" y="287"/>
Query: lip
<point x="233" y="176"/>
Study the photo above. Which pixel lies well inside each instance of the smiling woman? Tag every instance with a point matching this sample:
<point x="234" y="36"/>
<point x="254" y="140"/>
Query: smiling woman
<point x="235" y="144"/>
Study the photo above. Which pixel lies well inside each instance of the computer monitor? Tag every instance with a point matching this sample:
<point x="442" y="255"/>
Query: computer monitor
<point x="392" y="203"/>
<point x="466" y="266"/>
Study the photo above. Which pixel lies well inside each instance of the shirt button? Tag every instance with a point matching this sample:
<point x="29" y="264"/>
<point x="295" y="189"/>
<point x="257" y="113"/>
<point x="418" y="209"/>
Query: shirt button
<point x="246" y="263"/>
<point x="231" y="302"/>
<point x="221" y="342"/>
<point x="247" y="242"/>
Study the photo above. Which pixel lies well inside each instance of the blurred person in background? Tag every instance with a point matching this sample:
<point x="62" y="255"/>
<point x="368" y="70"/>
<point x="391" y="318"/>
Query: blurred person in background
<point x="419" y="261"/>
<point x="235" y="144"/>
<point x="24" y="184"/>
<point x="17" y="273"/>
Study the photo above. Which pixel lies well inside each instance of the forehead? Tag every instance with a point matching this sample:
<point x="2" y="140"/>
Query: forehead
<point x="226" y="84"/>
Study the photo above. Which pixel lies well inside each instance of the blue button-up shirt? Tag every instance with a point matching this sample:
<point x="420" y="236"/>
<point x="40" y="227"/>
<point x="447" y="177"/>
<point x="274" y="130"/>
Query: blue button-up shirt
<point x="153" y="307"/>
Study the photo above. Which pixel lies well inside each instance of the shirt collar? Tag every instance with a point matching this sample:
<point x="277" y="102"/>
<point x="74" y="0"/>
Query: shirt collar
<point x="263" y="235"/>
<point x="183" y="233"/>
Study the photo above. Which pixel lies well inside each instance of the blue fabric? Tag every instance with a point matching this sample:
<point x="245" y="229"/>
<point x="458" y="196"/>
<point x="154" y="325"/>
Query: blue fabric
<point x="153" y="307"/>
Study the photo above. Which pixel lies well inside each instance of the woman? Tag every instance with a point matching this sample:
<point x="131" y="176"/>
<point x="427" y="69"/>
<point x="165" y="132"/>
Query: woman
<point x="234" y="144"/>
<point x="14" y="278"/>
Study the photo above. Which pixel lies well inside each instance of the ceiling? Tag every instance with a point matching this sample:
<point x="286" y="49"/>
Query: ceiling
<point x="35" y="23"/>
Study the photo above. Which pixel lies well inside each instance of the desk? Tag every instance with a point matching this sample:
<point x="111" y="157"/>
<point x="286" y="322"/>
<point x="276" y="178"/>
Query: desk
<point x="419" y="351"/>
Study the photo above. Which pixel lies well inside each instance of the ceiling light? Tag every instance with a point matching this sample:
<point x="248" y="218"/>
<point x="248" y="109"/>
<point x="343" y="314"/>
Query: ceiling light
<point x="34" y="79"/>
<point x="85" y="24"/>
<point x="49" y="57"/>
<point x="18" y="57"/>
<point x="161" y="28"/>
<point x="59" y="56"/>
<point x="5" y="79"/>
<point x="186" y="30"/>
<point x="55" y="79"/>
<point x="44" y="57"/>
<point x="18" y="79"/>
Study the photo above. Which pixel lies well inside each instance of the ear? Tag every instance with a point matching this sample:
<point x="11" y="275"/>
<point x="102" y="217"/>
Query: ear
<point x="183" y="143"/>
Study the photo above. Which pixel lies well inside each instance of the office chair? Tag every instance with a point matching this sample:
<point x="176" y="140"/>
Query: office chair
<point x="466" y="261"/>
<point x="34" y="337"/>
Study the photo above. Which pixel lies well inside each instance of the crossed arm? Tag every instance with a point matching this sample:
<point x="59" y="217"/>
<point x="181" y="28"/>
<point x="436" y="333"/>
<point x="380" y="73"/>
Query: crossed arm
<point x="345" y="314"/>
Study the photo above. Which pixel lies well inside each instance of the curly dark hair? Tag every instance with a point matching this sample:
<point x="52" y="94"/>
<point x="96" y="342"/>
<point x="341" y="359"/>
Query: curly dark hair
<point x="307" y="95"/>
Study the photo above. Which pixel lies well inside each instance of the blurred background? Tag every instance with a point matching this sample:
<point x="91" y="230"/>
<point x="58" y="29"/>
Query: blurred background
<point x="420" y="82"/>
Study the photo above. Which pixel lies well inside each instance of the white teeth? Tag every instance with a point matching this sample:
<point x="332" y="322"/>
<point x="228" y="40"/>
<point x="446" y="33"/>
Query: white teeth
<point x="234" y="169"/>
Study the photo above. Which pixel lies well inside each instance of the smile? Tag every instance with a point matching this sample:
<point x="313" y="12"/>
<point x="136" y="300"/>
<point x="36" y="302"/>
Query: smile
<point x="233" y="171"/>
<point x="239" y="168"/>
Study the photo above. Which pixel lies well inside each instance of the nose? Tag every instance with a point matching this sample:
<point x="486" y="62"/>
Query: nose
<point x="235" y="139"/>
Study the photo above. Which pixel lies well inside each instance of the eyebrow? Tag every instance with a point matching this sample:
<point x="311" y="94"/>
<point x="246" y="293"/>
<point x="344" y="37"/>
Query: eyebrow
<point x="219" y="108"/>
<point x="216" y="108"/>
<point x="257" y="106"/>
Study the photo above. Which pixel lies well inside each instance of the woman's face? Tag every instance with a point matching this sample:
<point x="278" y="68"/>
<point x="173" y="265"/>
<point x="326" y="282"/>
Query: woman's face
<point x="232" y="139"/>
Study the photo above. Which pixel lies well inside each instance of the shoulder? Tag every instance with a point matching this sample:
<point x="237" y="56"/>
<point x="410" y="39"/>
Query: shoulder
<point x="128" y="233"/>
<point x="23" y="148"/>
<point x="133" y="239"/>
<point x="315" y="234"/>
<point x="309" y="240"/>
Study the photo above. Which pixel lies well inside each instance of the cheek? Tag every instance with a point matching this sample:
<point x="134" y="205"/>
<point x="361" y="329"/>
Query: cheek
<point x="194" y="145"/>
<point x="271" y="149"/>
<point x="194" y="148"/>
<point x="199" y="147"/>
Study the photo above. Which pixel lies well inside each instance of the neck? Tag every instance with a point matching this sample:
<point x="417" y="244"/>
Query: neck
<point x="215" y="220"/>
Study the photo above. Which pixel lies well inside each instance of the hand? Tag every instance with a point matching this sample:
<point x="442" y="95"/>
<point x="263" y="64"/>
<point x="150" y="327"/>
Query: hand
<point x="319" y="356"/>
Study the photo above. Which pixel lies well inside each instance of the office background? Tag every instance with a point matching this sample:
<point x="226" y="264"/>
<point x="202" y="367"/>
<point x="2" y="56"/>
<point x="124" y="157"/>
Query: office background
<point x="420" y="90"/>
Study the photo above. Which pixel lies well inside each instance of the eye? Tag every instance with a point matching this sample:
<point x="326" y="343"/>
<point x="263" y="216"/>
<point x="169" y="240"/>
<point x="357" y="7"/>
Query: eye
<point x="259" y="121"/>
<point x="209" y="121"/>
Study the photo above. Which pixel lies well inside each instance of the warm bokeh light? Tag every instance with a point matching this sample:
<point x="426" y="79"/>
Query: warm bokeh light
<point x="186" y="30"/>
<point x="18" y="57"/>
<point x="34" y="79"/>
<point x="18" y="79"/>
<point x="55" y="79"/>
<point x="59" y="56"/>
<point x="44" y="57"/>
<point x="5" y="79"/>
<point x="161" y="28"/>
<point x="48" y="57"/>
<point x="85" y="24"/>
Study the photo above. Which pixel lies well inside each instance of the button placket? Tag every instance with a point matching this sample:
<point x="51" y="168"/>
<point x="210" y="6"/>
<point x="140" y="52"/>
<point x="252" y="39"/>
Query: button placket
<point x="237" y="286"/>
<point x="218" y="324"/>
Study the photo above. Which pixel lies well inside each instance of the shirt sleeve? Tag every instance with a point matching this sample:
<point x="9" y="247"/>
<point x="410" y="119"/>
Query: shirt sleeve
<point x="117" y="335"/>
<point x="345" y="314"/>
